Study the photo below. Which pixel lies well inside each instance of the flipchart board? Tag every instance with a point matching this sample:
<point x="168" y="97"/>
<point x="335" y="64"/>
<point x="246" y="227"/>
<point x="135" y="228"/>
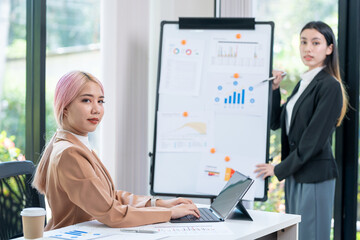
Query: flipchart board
<point x="212" y="107"/>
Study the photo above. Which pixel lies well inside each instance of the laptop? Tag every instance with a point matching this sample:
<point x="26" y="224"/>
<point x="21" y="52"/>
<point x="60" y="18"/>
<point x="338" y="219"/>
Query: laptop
<point x="229" y="198"/>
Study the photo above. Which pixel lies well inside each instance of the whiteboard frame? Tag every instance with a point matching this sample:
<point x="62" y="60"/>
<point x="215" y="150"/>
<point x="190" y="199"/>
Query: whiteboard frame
<point x="152" y="155"/>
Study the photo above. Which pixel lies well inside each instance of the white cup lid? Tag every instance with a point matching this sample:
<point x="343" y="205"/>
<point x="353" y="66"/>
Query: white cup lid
<point x="33" y="212"/>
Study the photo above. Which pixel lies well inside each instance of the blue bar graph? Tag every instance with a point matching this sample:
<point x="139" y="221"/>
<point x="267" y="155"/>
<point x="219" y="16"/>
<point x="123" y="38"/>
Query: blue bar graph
<point x="236" y="98"/>
<point x="243" y="96"/>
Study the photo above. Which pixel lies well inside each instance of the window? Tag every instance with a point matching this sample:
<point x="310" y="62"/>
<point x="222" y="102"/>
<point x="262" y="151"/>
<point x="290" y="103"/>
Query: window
<point x="12" y="79"/>
<point x="286" y="57"/>
<point x="73" y="43"/>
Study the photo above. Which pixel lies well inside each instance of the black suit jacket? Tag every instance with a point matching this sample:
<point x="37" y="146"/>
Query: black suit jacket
<point x="306" y="151"/>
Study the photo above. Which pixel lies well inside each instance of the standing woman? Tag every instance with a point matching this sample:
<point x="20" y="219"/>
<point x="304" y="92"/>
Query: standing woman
<point x="308" y="119"/>
<point x="76" y="183"/>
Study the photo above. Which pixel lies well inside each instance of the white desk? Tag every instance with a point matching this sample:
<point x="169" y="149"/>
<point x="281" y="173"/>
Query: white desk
<point x="266" y="224"/>
<point x="285" y="226"/>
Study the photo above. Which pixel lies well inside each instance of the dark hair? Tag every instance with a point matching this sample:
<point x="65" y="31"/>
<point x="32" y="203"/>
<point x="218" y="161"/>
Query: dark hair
<point x="331" y="61"/>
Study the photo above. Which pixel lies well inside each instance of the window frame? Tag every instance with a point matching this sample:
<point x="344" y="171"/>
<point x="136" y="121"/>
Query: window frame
<point x="35" y="78"/>
<point x="347" y="136"/>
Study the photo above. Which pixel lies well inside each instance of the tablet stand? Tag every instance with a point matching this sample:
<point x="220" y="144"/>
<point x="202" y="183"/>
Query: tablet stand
<point x="240" y="213"/>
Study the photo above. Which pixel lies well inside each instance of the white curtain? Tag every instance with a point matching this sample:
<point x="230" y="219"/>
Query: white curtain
<point x="237" y="8"/>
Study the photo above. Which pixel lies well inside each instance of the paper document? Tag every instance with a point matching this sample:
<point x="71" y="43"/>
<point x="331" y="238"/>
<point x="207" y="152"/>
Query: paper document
<point x="97" y="230"/>
<point x="190" y="229"/>
<point x="181" y="68"/>
<point x="78" y="233"/>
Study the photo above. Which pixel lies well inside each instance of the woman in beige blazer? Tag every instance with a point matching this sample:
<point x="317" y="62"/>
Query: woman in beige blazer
<point x="76" y="183"/>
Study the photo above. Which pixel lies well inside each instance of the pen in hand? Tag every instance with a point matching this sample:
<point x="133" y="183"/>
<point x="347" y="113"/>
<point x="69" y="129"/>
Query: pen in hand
<point x="272" y="78"/>
<point x="138" y="231"/>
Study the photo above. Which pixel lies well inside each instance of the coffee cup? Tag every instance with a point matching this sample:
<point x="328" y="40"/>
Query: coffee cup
<point x="33" y="220"/>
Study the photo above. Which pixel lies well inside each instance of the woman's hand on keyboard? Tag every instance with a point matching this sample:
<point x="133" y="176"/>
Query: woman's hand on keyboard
<point x="182" y="210"/>
<point x="172" y="202"/>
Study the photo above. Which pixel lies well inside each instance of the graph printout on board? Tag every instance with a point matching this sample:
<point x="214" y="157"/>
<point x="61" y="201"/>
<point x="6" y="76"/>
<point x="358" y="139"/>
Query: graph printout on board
<point x="212" y="113"/>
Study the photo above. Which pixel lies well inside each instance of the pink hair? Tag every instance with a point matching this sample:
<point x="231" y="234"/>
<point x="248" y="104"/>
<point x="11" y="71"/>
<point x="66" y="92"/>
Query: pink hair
<point x="66" y="91"/>
<point x="67" y="88"/>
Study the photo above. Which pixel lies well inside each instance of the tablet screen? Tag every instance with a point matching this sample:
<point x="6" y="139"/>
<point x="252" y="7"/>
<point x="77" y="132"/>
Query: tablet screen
<point x="231" y="194"/>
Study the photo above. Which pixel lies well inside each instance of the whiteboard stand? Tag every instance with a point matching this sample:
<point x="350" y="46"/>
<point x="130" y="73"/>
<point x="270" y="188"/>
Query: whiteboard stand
<point x="212" y="113"/>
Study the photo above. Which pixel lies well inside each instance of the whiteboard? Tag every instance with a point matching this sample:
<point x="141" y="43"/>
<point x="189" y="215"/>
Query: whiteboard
<point x="212" y="109"/>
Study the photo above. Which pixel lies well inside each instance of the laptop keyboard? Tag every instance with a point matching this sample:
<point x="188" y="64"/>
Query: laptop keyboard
<point x="205" y="216"/>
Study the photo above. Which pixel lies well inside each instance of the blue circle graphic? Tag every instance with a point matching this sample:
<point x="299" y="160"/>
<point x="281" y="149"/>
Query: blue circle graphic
<point x="251" y="88"/>
<point x="252" y="100"/>
<point x="235" y="83"/>
<point x="217" y="99"/>
<point x="219" y="88"/>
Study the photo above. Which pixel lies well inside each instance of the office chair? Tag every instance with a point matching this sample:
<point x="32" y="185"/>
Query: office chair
<point x="16" y="193"/>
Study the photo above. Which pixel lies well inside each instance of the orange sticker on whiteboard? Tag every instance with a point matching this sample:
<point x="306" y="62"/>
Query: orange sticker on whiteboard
<point x="185" y="114"/>
<point x="183" y="42"/>
<point x="227" y="159"/>
<point x="212" y="150"/>
<point x="228" y="173"/>
<point x="236" y="75"/>
<point x="238" y="36"/>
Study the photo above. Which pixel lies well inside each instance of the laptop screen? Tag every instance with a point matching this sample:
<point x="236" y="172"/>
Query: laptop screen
<point x="232" y="192"/>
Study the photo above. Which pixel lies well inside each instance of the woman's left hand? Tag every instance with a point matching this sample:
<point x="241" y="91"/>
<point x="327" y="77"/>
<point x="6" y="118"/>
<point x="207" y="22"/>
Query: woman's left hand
<point x="264" y="169"/>
<point x="172" y="202"/>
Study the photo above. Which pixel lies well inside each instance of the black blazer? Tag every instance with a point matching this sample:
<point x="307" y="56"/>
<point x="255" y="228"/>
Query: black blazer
<point x="306" y="151"/>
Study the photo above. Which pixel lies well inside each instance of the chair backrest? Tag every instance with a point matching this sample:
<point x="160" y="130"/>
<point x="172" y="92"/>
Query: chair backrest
<point x="16" y="193"/>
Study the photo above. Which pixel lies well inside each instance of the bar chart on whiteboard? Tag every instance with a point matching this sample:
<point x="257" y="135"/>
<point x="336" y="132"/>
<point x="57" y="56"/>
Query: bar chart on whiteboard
<point x="235" y="93"/>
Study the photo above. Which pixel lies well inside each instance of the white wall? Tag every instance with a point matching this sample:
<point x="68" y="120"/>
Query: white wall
<point x="125" y="60"/>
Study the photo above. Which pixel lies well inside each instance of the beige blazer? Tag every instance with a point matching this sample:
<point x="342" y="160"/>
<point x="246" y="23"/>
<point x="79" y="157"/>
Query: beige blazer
<point x="79" y="188"/>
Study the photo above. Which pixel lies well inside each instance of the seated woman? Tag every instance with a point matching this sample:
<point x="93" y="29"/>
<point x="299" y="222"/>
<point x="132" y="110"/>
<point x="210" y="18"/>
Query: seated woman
<point x="76" y="183"/>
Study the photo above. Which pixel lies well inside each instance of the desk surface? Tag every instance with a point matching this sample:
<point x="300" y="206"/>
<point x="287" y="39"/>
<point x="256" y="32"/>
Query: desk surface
<point x="264" y="223"/>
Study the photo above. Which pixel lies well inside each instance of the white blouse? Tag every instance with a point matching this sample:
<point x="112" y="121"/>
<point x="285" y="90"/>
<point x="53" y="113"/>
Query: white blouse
<point x="83" y="139"/>
<point x="306" y="79"/>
